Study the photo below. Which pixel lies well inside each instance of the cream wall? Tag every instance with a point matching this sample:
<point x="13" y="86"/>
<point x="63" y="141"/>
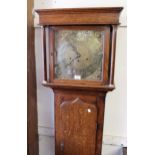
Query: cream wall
<point x="115" y="128"/>
<point x="116" y="102"/>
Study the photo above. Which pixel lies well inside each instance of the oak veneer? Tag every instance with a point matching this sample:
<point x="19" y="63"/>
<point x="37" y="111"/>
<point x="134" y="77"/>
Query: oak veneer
<point x="79" y="104"/>
<point x="79" y="16"/>
<point x="32" y="122"/>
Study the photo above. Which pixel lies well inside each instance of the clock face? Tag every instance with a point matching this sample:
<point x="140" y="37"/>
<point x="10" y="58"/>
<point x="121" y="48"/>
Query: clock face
<point x="79" y="54"/>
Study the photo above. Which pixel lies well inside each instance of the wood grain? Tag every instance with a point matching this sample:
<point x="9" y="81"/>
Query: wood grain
<point x="79" y="16"/>
<point x="77" y="117"/>
<point x="44" y="52"/>
<point x="80" y="104"/>
<point x="78" y="127"/>
<point x="32" y="130"/>
<point x="113" y="53"/>
<point x="100" y="120"/>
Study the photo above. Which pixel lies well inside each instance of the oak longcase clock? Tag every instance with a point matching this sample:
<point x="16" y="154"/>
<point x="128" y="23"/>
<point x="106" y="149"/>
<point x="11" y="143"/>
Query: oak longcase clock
<point x="79" y="56"/>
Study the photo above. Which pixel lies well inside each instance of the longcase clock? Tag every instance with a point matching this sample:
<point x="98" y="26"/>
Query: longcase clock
<point x="79" y="57"/>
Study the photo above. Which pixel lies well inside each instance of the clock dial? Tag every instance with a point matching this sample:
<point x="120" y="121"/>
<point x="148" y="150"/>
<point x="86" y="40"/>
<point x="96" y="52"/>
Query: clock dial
<point x="79" y="54"/>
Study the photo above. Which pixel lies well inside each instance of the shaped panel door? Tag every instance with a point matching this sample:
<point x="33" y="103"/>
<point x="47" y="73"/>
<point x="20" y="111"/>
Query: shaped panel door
<point x="77" y="127"/>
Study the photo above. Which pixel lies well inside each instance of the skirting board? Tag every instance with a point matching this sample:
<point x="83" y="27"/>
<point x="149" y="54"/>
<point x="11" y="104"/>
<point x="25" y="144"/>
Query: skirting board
<point x="115" y="140"/>
<point x="46" y="147"/>
<point x="108" y="139"/>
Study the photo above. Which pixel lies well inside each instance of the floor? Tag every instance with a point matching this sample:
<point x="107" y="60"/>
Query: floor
<point x="46" y="147"/>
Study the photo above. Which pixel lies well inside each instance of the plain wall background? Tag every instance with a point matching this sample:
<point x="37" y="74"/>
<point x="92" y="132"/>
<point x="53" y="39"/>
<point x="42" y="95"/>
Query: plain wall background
<point x="116" y="102"/>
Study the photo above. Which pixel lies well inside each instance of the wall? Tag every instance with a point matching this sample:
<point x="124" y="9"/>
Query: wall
<point x="115" y="114"/>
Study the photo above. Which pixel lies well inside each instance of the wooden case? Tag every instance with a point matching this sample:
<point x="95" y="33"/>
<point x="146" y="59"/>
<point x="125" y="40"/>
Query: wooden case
<point x="79" y="104"/>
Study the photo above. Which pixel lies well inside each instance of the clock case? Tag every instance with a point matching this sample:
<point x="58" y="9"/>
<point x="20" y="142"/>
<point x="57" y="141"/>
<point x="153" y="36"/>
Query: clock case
<point x="79" y="104"/>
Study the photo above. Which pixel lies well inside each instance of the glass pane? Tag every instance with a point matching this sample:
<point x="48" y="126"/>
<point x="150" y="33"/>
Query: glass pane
<point x="79" y="54"/>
